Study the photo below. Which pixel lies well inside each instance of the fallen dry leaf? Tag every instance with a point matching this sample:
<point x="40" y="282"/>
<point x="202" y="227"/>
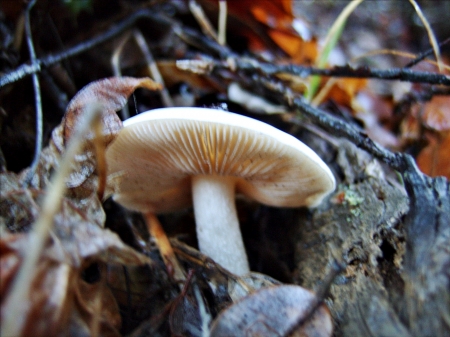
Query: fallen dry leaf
<point x="436" y="114"/>
<point x="269" y="25"/>
<point x="273" y="311"/>
<point x="112" y="94"/>
<point x="434" y="159"/>
<point x="60" y="303"/>
<point x="74" y="242"/>
<point x="344" y="90"/>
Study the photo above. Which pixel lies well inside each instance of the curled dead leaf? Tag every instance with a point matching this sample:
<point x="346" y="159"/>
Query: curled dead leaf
<point x="60" y="303"/>
<point x="76" y="238"/>
<point x="112" y="94"/>
<point x="75" y="241"/>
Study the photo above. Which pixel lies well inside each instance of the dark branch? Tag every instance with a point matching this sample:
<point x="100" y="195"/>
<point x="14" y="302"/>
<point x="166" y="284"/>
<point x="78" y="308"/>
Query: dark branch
<point x="27" y="69"/>
<point x="401" y="74"/>
<point x="425" y="54"/>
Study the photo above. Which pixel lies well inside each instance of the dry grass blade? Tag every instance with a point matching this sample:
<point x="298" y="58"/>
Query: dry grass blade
<point x="16" y="302"/>
<point x="115" y="63"/>
<point x="222" y="38"/>
<point x="200" y="16"/>
<point x="330" y="41"/>
<point x="430" y="33"/>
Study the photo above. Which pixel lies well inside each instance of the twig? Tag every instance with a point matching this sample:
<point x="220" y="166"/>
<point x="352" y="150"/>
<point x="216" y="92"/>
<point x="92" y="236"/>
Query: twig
<point x="336" y="126"/>
<point x="152" y="67"/>
<point x="321" y="293"/>
<point x="188" y="35"/>
<point x="426" y="53"/>
<point x="192" y="37"/>
<point x="401" y="74"/>
<point x="252" y="66"/>
<point x="174" y="269"/>
<point x="37" y="98"/>
<point x="28" y="69"/>
<point x="17" y="302"/>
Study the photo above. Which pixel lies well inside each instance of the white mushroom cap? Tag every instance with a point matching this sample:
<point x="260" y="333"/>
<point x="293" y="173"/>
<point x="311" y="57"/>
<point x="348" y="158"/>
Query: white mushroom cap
<point x="159" y="151"/>
<point x="159" y="155"/>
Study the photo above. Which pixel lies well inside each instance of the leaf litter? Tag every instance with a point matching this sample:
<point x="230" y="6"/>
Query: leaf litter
<point x="80" y="255"/>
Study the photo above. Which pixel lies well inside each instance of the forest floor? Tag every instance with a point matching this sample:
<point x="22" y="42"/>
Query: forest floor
<point x="365" y="84"/>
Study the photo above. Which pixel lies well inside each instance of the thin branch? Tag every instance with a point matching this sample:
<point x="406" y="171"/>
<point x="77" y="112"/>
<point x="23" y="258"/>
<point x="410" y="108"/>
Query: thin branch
<point x="267" y="69"/>
<point x="152" y="67"/>
<point x="425" y="54"/>
<point x="49" y="60"/>
<point x="37" y="98"/>
<point x="335" y="126"/>
<point x="321" y="292"/>
<point x="347" y="71"/>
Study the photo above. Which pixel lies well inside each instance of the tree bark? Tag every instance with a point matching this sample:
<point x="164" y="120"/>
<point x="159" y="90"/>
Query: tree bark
<point x="395" y="244"/>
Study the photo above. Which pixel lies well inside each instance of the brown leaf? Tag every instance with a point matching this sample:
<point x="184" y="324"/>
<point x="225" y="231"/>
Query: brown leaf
<point x="299" y="50"/>
<point x="436" y="113"/>
<point x="44" y="303"/>
<point x="60" y="302"/>
<point x="268" y="25"/>
<point x="9" y="262"/>
<point x="96" y="304"/>
<point x="112" y="94"/>
<point x="273" y="311"/>
<point x="344" y="90"/>
<point x="77" y="232"/>
<point x="273" y="13"/>
<point x="434" y="159"/>
<point x="59" y="298"/>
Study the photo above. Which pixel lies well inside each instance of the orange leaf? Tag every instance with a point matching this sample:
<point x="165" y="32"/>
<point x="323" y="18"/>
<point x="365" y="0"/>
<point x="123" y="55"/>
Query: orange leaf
<point x="273" y="13"/>
<point x="301" y="52"/>
<point x="345" y="89"/>
<point x="268" y="24"/>
<point x="437" y="113"/>
<point x="434" y="160"/>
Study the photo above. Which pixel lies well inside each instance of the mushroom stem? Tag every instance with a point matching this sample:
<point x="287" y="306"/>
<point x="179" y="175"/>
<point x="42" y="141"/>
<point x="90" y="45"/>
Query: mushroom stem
<point x="217" y="224"/>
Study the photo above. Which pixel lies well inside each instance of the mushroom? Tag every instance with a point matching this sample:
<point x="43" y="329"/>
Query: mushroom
<point x="167" y="159"/>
